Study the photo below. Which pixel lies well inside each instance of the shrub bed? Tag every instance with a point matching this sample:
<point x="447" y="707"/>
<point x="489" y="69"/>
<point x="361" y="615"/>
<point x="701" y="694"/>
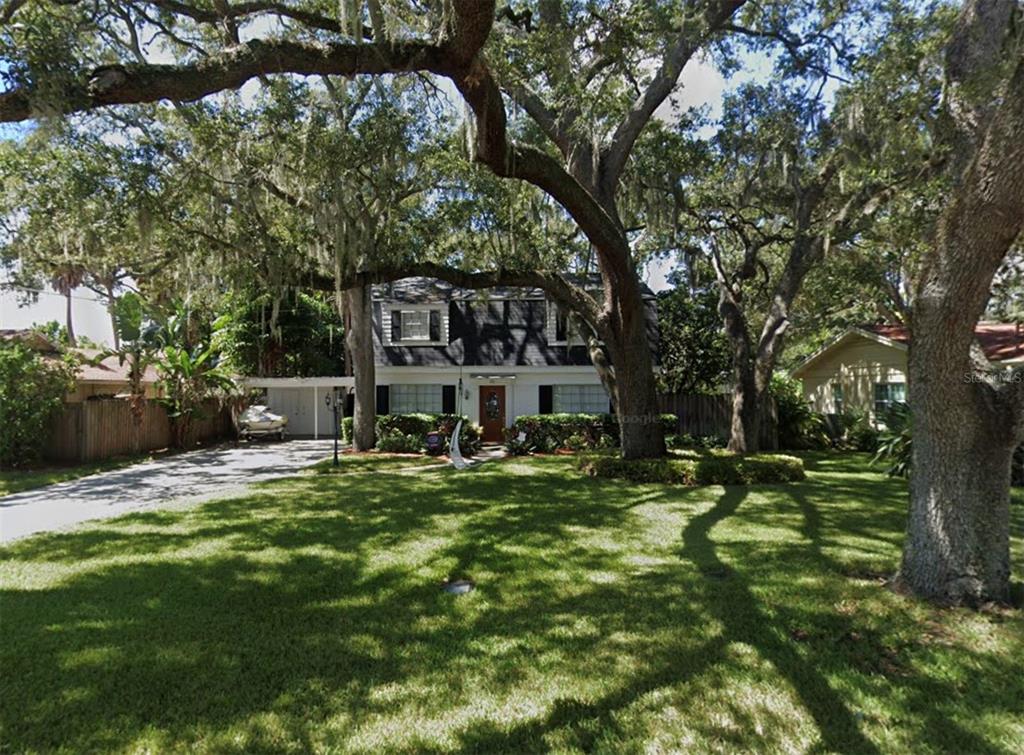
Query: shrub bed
<point x="546" y="433"/>
<point x="32" y="390"/>
<point x="702" y="469"/>
<point x="407" y="433"/>
<point x="685" y="440"/>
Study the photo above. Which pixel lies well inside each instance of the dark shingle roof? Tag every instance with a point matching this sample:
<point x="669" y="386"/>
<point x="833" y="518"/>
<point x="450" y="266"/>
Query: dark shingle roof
<point x="424" y="290"/>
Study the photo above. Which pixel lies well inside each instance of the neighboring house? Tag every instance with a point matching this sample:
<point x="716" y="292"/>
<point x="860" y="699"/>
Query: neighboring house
<point x="492" y="355"/>
<point x="107" y="378"/>
<point x="104" y="378"/>
<point x="865" y="368"/>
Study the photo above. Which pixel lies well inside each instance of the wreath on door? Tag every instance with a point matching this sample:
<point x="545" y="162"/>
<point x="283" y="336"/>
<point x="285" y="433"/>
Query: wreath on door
<point x="491" y="406"/>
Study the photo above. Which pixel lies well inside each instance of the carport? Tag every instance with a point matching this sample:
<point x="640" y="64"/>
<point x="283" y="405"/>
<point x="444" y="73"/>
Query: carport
<point x="302" y="400"/>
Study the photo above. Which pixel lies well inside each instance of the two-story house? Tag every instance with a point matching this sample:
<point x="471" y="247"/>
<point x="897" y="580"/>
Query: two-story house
<point x="492" y="355"/>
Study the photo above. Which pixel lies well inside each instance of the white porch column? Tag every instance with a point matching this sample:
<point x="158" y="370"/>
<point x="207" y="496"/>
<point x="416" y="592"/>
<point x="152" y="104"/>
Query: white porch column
<point x="316" y="413"/>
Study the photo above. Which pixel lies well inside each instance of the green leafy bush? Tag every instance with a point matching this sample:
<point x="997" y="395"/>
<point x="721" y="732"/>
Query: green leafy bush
<point x="852" y="431"/>
<point x="703" y="469"/>
<point x="470" y="437"/>
<point x="800" y="427"/>
<point x="896" y="441"/>
<point x="516" y="447"/>
<point x="545" y="433"/>
<point x="576" y="442"/>
<point x="32" y="390"/>
<point x="400" y="443"/>
<point x="418" y="425"/>
<point x="346" y="429"/>
<point x="407" y="424"/>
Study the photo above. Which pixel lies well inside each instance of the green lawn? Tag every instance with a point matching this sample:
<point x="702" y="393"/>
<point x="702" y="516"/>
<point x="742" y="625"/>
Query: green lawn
<point x="374" y="461"/>
<point x="608" y="617"/>
<point x="17" y="480"/>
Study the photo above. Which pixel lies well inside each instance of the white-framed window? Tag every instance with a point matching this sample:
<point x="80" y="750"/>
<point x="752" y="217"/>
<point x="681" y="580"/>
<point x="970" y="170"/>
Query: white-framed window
<point x="415" y="325"/>
<point x="579" y="399"/>
<point x="887" y="394"/>
<point x="411" y="398"/>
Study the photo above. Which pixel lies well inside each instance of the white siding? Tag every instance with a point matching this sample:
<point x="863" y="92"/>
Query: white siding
<point x="551" y="323"/>
<point x="522" y="387"/>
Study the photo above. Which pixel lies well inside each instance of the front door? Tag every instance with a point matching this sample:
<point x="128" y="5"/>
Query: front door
<point x="492" y="413"/>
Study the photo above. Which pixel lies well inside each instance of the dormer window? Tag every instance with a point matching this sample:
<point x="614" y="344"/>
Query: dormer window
<point x="417" y="325"/>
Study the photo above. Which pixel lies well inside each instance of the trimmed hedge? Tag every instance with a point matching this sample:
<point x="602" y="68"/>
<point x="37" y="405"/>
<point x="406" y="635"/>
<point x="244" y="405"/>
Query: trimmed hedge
<point x="549" y="432"/>
<point x="705" y="469"/>
<point x="413" y="429"/>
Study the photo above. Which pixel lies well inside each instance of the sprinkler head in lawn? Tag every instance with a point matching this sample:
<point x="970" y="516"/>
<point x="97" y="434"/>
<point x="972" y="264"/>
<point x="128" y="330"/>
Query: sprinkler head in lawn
<point x="458" y="586"/>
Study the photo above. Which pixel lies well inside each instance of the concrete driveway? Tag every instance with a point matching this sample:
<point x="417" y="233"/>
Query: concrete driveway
<point x="185" y="478"/>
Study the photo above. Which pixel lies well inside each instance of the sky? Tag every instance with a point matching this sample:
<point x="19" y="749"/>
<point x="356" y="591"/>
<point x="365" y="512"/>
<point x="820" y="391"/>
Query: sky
<point x="700" y="84"/>
<point x="88" y="314"/>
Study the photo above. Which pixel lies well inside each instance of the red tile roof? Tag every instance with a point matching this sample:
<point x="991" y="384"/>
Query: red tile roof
<point x="1001" y="341"/>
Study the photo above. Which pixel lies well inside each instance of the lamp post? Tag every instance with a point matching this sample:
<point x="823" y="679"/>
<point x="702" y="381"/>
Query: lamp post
<point x="331" y="399"/>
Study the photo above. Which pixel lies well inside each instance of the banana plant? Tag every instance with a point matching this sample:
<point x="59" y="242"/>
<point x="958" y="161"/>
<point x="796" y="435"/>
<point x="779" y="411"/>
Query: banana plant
<point x="895" y="442"/>
<point x="189" y="377"/>
<point x="189" y="374"/>
<point x="138" y="345"/>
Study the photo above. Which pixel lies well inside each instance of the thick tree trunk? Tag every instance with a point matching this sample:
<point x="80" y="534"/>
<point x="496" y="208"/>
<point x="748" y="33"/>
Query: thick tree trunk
<point x="958" y="538"/>
<point x="957" y="548"/>
<point x="745" y="428"/>
<point x="636" y="392"/>
<point x="359" y="339"/>
<point x="636" y="406"/>
<point x="748" y="391"/>
<point x="966" y="424"/>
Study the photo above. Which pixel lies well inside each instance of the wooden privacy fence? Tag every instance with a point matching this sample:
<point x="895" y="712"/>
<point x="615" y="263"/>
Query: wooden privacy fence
<point x="712" y="415"/>
<point x="99" y="429"/>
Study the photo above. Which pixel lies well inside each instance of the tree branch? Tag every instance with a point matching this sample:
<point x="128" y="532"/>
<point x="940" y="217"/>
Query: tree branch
<point x="543" y="117"/>
<point x="230" y="69"/>
<point x="678" y="55"/>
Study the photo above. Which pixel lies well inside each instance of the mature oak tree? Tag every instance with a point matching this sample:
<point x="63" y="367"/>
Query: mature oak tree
<point x="791" y="180"/>
<point x="967" y="418"/>
<point x="581" y="166"/>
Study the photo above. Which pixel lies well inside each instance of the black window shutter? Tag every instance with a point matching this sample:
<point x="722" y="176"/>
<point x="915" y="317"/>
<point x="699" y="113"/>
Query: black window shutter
<point x="350" y="405"/>
<point x="383" y="397"/>
<point x="435" y="325"/>
<point x="396" y="325"/>
<point x="448" y="399"/>
<point x="547" y="399"/>
<point x="561" y="325"/>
